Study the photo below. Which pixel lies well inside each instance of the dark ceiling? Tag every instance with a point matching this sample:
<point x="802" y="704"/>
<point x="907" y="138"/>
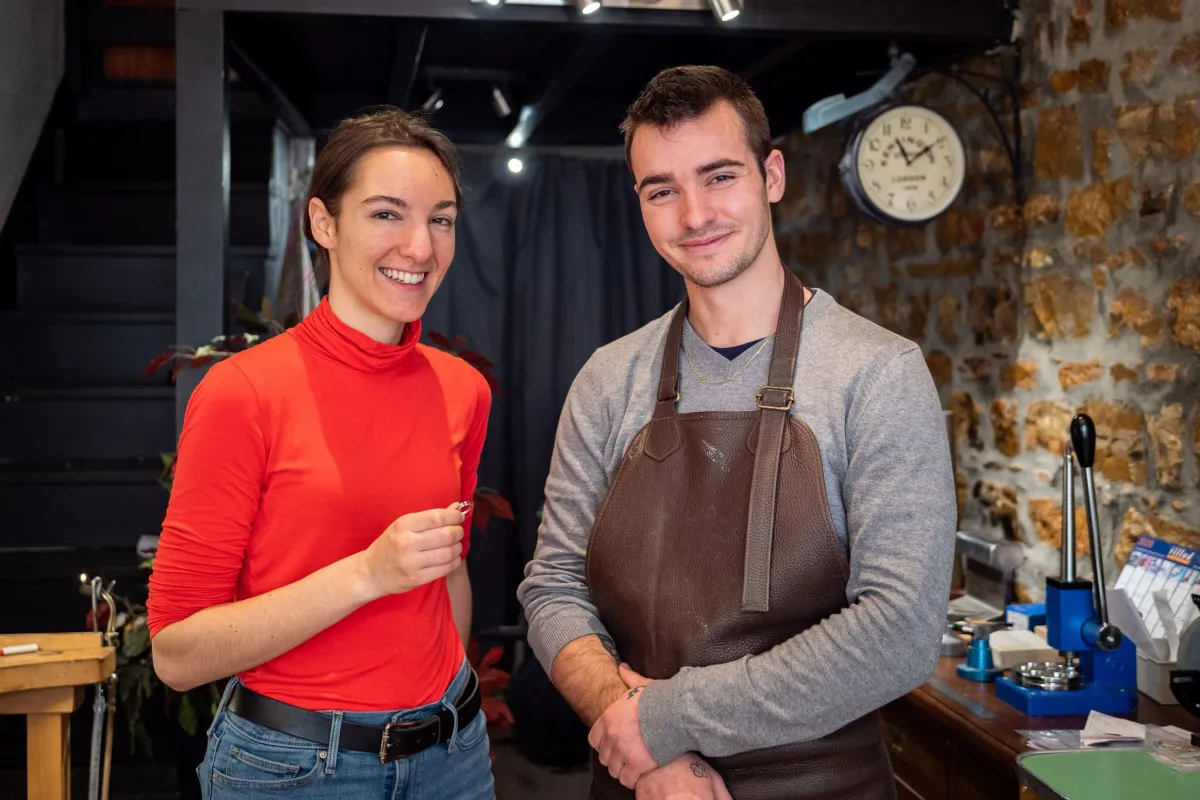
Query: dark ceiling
<point x="576" y="76"/>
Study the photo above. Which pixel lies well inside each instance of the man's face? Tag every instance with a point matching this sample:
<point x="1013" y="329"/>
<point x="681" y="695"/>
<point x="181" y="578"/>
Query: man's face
<point x="704" y="201"/>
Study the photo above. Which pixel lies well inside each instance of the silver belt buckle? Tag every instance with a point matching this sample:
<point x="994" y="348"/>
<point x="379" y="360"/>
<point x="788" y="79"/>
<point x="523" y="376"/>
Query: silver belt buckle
<point x="383" y="743"/>
<point x="387" y="730"/>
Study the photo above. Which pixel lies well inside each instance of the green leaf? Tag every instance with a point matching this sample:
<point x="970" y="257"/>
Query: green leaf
<point x="135" y="683"/>
<point x="147" y="564"/>
<point x="142" y="737"/>
<point x="136" y="639"/>
<point x="187" y="715"/>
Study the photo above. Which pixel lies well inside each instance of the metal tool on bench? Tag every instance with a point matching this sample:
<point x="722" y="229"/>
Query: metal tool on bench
<point x="979" y="666"/>
<point x="1098" y="671"/>
<point x="104" y="706"/>
<point x="987" y="567"/>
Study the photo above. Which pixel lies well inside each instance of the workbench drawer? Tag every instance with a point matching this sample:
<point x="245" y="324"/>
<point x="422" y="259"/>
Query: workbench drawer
<point x="970" y="778"/>
<point x="919" y="755"/>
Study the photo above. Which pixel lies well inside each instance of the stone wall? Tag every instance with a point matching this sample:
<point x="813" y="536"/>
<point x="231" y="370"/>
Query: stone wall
<point x="1087" y="297"/>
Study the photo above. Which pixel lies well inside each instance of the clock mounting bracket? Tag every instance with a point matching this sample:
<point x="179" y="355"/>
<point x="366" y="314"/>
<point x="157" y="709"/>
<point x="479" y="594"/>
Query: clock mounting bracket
<point x="904" y="70"/>
<point x="996" y="86"/>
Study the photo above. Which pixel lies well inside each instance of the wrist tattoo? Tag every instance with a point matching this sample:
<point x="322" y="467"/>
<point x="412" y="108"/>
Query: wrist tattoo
<point x="699" y="770"/>
<point x="632" y="692"/>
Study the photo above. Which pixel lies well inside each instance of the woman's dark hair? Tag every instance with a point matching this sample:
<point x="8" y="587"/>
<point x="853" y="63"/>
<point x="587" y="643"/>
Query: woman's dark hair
<point x="682" y="94"/>
<point x="354" y="137"/>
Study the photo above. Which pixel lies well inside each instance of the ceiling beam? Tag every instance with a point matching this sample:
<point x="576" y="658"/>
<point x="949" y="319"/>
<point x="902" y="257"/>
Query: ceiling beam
<point x="774" y="58"/>
<point x="406" y="63"/>
<point x="936" y="19"/>
<point x="531" y="115"/>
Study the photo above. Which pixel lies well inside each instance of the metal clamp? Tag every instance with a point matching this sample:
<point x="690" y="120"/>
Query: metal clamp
<point x="788" y="391"/>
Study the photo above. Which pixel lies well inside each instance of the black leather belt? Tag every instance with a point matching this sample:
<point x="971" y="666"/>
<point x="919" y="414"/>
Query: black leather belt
<point x="392" y="741"/>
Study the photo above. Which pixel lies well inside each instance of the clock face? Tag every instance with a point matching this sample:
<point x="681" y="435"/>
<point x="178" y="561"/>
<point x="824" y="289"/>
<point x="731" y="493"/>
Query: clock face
<point x="910" y="163"/>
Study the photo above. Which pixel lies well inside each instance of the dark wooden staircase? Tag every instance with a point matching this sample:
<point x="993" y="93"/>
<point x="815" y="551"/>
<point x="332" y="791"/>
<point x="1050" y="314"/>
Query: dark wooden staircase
<point x="87" y="299"/>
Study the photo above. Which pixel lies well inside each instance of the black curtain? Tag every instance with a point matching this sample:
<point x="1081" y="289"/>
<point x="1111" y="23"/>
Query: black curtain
<point x="550" y="264"/>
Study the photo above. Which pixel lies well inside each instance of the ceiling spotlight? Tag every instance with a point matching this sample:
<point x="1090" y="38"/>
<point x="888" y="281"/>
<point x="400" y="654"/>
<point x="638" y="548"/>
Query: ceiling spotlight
<point x="587" y="6"/>
<point x="493" y="2"/>
<point x="500" y="102"/>
<point x="726" y="10"/>
<point x="515" y="165"/>
<point x="434" y="102"/>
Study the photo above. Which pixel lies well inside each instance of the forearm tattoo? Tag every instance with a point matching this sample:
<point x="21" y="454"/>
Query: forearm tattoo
<point x="699" y="769"/>
<point x="632" y="692"/>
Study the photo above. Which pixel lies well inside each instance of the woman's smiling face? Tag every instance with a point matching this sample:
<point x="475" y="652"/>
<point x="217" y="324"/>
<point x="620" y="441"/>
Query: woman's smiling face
<point x="392" y="240"/>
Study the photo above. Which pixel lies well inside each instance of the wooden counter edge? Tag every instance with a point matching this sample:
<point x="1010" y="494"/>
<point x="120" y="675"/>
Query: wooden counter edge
<point x="93" y="666"/>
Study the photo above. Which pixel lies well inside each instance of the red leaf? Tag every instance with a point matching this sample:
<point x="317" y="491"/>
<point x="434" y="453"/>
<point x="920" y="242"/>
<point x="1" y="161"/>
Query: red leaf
<point x="481" y="514"/>
<point x="497" y="712"/>
<point x="201" y="361"/>
<point x="475" y="359"/>
<point x="491" y="686"/>
<point x="460" y="341"/>
<point x="492" y="657"/>
<point x="439" y="340"/>
<point x="500" y="507"/>
<point x="102" y="613"/>
<point x="157" y="362"/>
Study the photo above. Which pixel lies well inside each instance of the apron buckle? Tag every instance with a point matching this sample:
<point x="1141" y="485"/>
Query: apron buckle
<point x="784" y="403"/>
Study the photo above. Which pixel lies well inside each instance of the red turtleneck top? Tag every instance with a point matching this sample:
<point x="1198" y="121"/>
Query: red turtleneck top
<point x="299" y="452"/>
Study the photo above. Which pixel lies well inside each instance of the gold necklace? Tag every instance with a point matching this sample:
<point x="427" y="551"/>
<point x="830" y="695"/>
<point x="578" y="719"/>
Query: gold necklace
<point x="735" y="375"/>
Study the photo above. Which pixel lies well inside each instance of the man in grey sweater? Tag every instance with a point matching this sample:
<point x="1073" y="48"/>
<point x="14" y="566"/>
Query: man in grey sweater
<point x="699" y="151"/>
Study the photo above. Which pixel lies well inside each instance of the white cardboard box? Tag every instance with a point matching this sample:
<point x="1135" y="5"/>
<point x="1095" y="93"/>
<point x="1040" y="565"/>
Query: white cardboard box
<point x="1154" y="679"/>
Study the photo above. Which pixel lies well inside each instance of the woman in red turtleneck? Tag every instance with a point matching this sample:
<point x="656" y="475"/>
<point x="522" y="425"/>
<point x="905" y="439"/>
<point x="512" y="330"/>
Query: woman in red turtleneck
<point x="313" y="546"/>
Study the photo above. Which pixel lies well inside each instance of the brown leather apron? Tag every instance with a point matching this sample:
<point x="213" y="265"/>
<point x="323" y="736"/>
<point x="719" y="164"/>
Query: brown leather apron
<point x="696" y="559"/>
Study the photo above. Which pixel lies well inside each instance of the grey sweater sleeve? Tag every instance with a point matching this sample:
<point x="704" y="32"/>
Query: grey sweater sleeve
<point x="901" y="518"/>
<point x="558" y="607"/>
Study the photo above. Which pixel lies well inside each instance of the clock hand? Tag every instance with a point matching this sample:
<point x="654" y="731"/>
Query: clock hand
<point x="907" y="160"/>
<point x="932" y="145"/>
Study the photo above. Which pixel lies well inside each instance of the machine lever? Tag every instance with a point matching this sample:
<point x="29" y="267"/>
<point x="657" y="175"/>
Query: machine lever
<point x="1083" y="439"/>
<point x="1067" y="550"/>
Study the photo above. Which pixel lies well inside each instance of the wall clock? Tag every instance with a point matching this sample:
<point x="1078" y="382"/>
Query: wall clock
<point x="903" y="165"/>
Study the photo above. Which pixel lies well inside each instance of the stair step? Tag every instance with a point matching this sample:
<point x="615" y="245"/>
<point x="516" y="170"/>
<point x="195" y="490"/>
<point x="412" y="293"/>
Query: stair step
<point x="87" y="423"/>
<point x="143" y="213"/>
<point x="127" y="133"/>
<point x="115" y="278"/>
<point x="98" y="507"/>
<point x="127" y="103"/>
<point x="127" y="23"/>
<point x="62" y="350"/>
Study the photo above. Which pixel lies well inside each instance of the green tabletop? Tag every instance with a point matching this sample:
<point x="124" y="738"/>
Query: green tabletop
<point x="1102" y="774"/>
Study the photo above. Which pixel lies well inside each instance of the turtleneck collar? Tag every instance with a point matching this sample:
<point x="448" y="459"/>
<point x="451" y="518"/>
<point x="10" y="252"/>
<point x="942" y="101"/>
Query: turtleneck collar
<point x="337" y="341"/>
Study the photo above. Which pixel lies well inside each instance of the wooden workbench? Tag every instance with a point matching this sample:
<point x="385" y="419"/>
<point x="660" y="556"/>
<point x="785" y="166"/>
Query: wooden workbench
<point x="47" y="686"/>
<point x="952" y="739"/>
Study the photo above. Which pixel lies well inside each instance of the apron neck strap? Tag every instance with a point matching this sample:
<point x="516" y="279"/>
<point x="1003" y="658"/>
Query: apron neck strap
<point x="778" y="393"/>
<point x="668" y="381"/>
<point x="774" y="401"/>
<point x="781" y="373"/>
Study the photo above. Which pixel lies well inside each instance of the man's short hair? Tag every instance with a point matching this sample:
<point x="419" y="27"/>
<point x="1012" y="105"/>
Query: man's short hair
<point x="682" y="94"/>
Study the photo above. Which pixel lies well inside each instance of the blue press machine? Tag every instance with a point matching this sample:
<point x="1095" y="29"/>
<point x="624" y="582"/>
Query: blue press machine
<point x="1104" y="678"/>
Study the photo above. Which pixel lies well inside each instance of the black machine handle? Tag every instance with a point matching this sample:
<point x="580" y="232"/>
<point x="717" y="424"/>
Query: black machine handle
<point x="1083" y="440"/>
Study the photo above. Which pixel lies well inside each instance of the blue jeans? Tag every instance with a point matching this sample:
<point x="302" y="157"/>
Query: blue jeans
<point x="246" y="760"/>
